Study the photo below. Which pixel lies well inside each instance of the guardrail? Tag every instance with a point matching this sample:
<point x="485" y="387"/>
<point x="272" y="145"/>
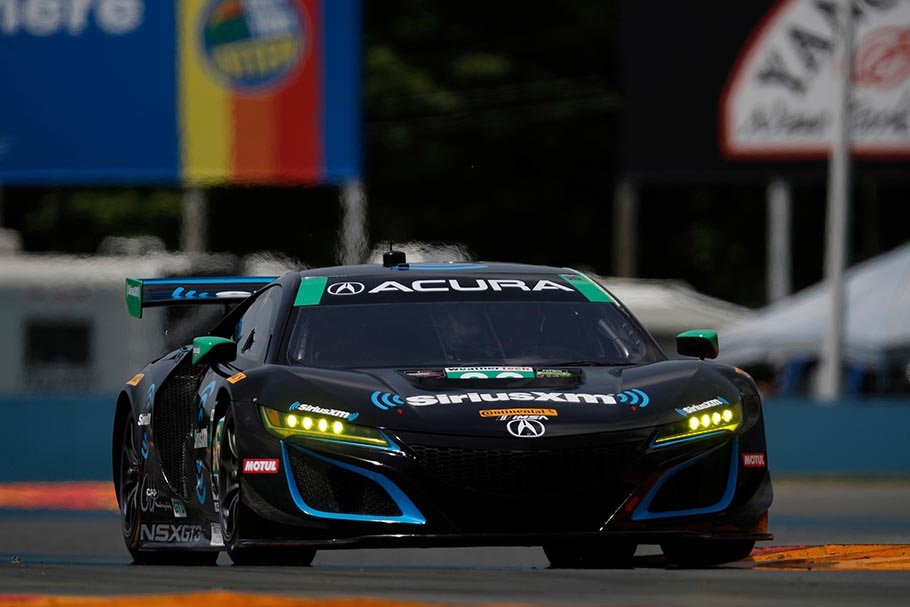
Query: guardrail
<point x="68" y="437"/>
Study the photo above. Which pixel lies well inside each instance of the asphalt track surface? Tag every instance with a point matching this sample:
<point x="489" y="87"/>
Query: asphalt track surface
<point x="837" y="542"/>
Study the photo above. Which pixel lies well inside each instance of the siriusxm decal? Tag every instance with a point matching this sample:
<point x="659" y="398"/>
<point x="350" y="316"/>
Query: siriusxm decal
<point x="708" y="404"/>
<point x="386" y="400"/>
<point x="495" y="397"/>
<point x="299" y="406"/>
<point x="634" y="398"/>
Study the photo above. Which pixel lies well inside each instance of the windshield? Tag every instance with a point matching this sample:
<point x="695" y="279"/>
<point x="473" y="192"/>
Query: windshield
<point x="466" y="333"/>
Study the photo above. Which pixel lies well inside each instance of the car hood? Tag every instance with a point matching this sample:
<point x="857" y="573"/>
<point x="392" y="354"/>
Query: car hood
<point x="480" y="402"/>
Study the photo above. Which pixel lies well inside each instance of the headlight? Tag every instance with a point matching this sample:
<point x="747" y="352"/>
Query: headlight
<point x="325" y="428"/>
<point x="699" y="424"/>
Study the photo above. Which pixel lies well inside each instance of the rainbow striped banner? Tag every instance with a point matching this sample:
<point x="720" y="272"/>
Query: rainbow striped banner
<point x="192" y="92"/>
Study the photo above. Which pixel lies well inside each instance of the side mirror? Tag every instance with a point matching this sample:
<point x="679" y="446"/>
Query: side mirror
<point x="699" y="342"/>
<point x="212" y="350"/>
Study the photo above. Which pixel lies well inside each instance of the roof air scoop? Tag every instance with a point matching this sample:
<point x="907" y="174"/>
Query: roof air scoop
<point x="393" y="258"/>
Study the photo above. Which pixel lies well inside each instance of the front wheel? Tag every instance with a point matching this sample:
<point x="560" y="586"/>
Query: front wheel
<point x="237" y="517"/>
<point x="706" y="553"/>
<point x="129" y="499"/>
<point x="590" y="555"/>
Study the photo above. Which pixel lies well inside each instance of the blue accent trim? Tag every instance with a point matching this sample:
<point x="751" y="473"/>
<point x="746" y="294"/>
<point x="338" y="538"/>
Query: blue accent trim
<point x="409" y="512"/>
<point x="219" y="280"/>
<point x="642" y="513"/>
<point x="436" y="267"/>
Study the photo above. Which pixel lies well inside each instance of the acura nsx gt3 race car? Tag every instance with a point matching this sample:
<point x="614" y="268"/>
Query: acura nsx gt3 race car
<point x="434" y="404"/>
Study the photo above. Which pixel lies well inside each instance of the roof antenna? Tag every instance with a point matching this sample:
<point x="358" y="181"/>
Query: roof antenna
<point x="392" y="258"/>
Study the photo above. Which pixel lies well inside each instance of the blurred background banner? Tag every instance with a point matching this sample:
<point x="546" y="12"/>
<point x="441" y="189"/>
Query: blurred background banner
<point x="189" y="93"/>
<point x="717" y="69"/>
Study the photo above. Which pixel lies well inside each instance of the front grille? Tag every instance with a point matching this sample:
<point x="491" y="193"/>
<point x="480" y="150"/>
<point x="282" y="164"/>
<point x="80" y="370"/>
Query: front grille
<point x="698" y="485"/>
<point x="536" y="473"/>
<point x="173" y="422"/>
<point x="330" y="488"/>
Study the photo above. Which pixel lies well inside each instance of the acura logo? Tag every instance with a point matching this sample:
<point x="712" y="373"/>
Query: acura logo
<point x="523" y="427"/>
<point x="346" y="288"/>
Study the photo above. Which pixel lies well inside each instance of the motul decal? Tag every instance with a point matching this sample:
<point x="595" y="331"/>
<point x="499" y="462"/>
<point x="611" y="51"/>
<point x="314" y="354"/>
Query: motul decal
<point x="754" y="460"/>
<point x="260" y="466"/>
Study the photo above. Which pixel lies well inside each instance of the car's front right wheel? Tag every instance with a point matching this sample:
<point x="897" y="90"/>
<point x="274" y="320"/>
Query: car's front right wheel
<point x="237" y="518"/>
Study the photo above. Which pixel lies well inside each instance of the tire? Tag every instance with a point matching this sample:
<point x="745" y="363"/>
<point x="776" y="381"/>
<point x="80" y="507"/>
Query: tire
<point x="590" y="555"/>
<point x="131" y="469"/>
<point x="237" y="517"/>
<point x="706" y="553"/>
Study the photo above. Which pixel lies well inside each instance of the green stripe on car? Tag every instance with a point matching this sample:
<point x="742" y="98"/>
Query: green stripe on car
<point x="310" y="291"/>
<point x="587" y="287"/>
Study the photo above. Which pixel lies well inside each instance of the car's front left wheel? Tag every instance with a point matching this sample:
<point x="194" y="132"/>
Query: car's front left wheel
<point x="237" y="518"/>
<point x="130" y="470"/>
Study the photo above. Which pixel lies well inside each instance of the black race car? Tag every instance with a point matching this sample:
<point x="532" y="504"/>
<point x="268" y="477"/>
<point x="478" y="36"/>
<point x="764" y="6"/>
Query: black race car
<point x="434" y="404"/>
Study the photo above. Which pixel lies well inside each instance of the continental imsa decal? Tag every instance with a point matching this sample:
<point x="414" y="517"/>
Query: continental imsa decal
<point x="504" y="413"/>
<point x="170" y="533"/>
<point x="299" y="406"/>
<point x="754" y="460"/>
<point x="708" y="404"/>
<point x="489" y="372"/>
<point x="493" y="397"/>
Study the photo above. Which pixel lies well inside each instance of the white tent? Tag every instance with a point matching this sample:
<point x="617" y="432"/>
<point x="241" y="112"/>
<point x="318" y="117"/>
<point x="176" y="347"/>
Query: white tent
<point x="877" y="318"/>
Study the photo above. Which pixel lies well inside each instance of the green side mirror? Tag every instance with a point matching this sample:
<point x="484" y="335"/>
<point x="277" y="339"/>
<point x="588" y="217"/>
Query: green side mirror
<point x="698" y="342"/>
<point x="213" y="350"/>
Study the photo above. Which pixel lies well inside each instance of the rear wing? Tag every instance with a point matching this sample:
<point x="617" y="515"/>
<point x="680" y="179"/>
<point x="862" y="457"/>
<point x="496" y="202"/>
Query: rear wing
<point x="144" y="293"/>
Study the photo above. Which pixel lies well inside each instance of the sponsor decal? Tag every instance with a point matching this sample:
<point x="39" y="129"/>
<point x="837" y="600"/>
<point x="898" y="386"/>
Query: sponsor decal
<point x="346" y="288"/>
<point x="200" y="481"/>
<point x="201" y="440"/>
<point x="236" y="377"/>
<point x="178" y="507"/>
<point x="132" y="290"/>
<point x="488" y="372"/>
<point x="527" y="426"/>
<point x="386" y="401"/>
<point x="147" y="494"/>
<point x="144" y="419"/>
<point x="217" y="538"/>
<point x="136" y="379"/>
<point x="708" y="404"/>
<point x="562" y="398"/>
<point x="552" y="373"/>
<point x="424" y="373"/>
<point x="634" y="398"/>
<point x="260" y="466"/>
<point x="445" y="285"/>
<point x="754" y="460"/>
<point x="216" y="448"/>
<point x="203" y="397"/>
<point x="149" y="399"/>
<point x="503" y="413"/>
<point x="170" y="533"/>
<point x="299" y="406"/>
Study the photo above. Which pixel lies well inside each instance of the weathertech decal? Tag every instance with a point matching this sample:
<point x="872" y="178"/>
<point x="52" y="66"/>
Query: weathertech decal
<point x="489" y="372"/>
<point x="754" y="460"/>
<point x="260" y="466"/>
